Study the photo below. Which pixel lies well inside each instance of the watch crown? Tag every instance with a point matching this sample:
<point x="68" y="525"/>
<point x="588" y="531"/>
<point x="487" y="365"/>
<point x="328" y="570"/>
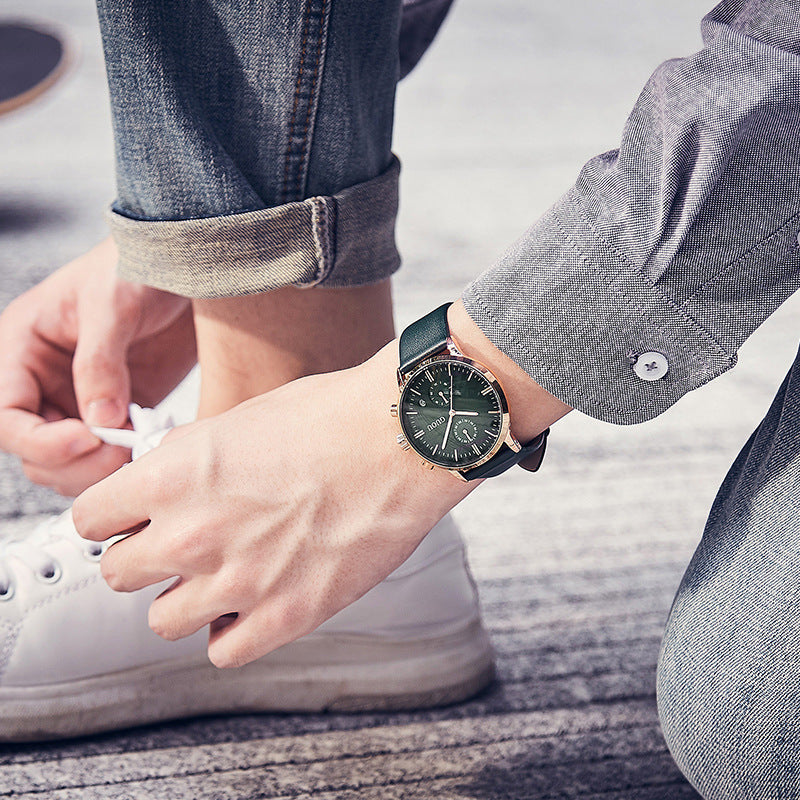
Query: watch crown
<point x="393" y="409"/>
<point x="402" y="441"/>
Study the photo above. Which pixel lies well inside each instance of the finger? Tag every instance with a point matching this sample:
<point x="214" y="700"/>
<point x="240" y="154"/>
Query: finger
<point x="185" y="608"/>
<point x="133" y="563"/>
<point x="121" y="501"/>
<point x="33" y="439"/>
<point x="100" y="369"/>
<point x="235" y="642"/>
<point x="73" y="477"/>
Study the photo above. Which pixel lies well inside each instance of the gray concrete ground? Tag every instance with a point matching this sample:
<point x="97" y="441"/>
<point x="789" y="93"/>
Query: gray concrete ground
<point x="577" y="566"/>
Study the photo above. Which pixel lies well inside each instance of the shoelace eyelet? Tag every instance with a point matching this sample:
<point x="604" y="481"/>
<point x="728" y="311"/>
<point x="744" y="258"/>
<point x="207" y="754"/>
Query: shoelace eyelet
<point x="52" y="575"/>
<point x="93" y="552"/>
<point x="7" y="594"/>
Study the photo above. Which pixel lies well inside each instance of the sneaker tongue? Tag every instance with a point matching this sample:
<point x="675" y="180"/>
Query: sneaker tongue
<point x="150" y="426"/>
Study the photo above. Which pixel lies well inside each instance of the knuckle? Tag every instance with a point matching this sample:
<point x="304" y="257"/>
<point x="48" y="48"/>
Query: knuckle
<point x="186" y="546"/>
<point x="159" y="623"/>
<point x="161" y="487"/>
<point x="230" y="584"/>
<point x="79" y="517"/>
<point x="127" y="304"/>
<point x="285" y="620"/>
<point x="58" y="453"/>
<point x="293" y="619"/>
<point x="88" y="363"/>
<point x="110" y="573"/>
<point x="225" y="657"/>
<point x="19" y="312"/>
<point x="34" y="473"/>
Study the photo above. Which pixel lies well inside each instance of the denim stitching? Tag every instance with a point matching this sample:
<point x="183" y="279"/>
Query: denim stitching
<point x="298" y="84"/>
<point x="314" y="82"/>
<point x="293" y="188"/>
<point x="320" y="229"/>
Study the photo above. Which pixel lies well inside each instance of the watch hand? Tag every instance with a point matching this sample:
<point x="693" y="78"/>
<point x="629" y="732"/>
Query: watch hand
<point x="447" y="430"/>
<point x="450" y="416"/>
<point x="467" y="413"/>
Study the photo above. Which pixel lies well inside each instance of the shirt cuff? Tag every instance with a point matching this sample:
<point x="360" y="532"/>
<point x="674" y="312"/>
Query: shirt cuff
<point x="578" y="318"/>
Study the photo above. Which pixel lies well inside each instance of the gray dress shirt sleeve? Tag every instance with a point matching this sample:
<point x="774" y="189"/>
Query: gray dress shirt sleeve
<point x="681" y="242"/>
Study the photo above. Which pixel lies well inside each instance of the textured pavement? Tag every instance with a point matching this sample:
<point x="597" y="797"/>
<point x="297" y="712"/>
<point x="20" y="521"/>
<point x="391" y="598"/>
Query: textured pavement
<point x="576" y="566"/>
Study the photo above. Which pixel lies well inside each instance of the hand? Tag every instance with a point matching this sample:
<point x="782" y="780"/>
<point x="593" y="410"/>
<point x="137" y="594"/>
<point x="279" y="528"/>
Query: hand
<point x="282" y="511"/>
<point x="77" y="349"/>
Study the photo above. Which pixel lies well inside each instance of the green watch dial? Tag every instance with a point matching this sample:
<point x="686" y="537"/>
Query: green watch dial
<point x="450" y="413"/>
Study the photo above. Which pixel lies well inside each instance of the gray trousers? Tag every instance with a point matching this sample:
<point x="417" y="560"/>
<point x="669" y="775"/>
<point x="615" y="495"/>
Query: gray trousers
<point x="729" y="669"/>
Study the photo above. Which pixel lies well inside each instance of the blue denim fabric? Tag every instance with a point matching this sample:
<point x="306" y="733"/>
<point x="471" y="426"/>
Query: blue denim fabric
<point x="224" y="110"/>
<point x="729" y="671"/>
<point x="215" y="114"/>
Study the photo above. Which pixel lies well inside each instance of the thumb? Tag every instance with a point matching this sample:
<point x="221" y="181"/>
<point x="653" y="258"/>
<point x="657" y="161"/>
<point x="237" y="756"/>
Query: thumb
<point x="100" y="371"/>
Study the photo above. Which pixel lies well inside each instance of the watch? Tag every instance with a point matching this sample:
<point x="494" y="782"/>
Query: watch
<point x="452" y="410"/>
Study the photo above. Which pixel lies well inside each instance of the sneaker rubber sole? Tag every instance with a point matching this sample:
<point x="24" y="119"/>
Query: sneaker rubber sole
<point x="325" y="672"/>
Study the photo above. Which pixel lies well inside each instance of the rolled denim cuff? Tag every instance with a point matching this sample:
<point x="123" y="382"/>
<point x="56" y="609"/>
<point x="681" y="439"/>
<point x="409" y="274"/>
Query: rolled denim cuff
<point x="575" y="315"/>
<point x="346" y="239"/>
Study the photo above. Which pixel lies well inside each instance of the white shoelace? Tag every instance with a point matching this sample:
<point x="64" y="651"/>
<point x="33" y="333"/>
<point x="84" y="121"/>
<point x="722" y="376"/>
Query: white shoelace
<point x="150" y="425"/>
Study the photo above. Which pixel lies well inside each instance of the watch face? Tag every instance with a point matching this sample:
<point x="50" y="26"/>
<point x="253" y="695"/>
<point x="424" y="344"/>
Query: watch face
<point x="451" y="413"/>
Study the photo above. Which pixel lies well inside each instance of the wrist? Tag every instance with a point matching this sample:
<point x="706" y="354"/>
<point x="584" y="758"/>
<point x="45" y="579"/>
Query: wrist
<point x="532" y="409"/>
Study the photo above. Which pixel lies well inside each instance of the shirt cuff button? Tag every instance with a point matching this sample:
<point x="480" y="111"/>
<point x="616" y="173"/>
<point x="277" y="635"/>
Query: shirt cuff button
<point x="651" y="366"/>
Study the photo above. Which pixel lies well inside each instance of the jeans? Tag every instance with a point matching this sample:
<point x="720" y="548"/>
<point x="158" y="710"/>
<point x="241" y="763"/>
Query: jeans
<point x="729" y="670"/>
<point x="253" y="139"/>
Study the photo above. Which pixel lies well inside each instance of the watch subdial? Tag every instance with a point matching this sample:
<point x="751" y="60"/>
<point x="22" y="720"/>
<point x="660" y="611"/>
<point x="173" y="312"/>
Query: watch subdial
<point x="465" y="431"/>
<point x="439" y="393"/>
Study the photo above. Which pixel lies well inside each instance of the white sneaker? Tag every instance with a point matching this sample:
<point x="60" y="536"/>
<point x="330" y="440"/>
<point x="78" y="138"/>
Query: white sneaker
<point x="77" y="658"/>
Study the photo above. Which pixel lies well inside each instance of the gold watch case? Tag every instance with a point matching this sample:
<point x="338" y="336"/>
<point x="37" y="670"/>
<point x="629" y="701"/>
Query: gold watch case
<point x="454" y="354"/>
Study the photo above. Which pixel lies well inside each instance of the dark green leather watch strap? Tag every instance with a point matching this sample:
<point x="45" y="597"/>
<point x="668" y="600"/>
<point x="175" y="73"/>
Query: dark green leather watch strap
<point x="423" y="338"/>
<point x="529" y="457"/>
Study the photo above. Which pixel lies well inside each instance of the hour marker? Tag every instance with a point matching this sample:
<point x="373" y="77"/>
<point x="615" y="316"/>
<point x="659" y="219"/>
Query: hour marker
<point x="469" y="376"/>
<point x="418" y="434"/>
<point x="455" y="454"/>
<point x="435" y="448"/>
<point x="428" y="375"/>
<point x="411" y="413"/>
<point x="494" y="412"/>
<point x="415" y="391"/>
<point x="486" y="390"/>
<point x="475" y="448"/>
